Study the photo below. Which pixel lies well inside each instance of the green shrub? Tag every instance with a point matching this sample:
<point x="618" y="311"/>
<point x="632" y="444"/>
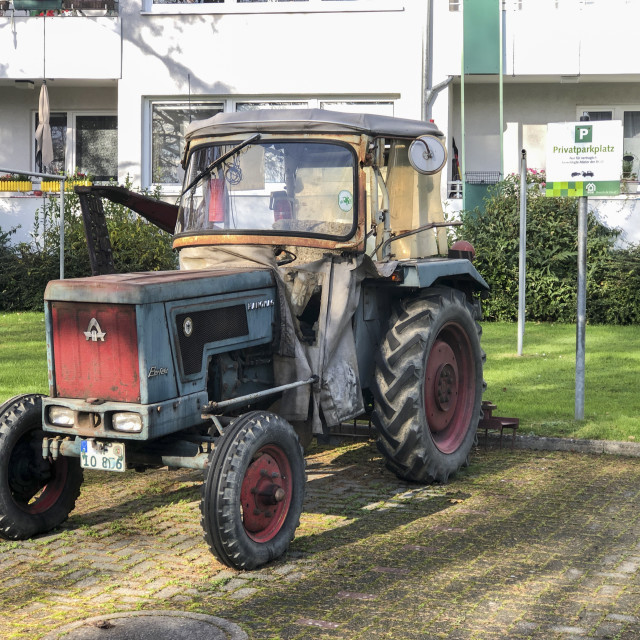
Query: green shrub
<point x="26" y="268"/>
<point x="613" y="275"/>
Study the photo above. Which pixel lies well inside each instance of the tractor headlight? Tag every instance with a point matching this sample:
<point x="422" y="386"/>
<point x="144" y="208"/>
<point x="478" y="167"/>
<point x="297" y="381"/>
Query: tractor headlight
<point x="127" y="421"/>
<point x="61" y="416"/>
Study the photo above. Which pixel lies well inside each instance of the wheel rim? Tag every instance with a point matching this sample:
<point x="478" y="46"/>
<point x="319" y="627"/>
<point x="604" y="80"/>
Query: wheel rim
<point x="36" y="484"/>
<point x="266" y="493"/>
<point x="449" y="387"/>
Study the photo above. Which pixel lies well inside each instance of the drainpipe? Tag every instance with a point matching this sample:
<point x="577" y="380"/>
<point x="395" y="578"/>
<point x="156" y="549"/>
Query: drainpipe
<point x="430" y="92"/>
<point x="427" y="63"/>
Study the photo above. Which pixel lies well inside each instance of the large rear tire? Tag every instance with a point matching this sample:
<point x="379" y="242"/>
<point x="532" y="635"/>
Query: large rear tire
<point x="428" y="386"/>
<point x="36" y="494"/>
<point x="253" y="491"/>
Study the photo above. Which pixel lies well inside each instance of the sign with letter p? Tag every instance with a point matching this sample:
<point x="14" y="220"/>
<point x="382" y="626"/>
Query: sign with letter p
<point x="584" y="133"/>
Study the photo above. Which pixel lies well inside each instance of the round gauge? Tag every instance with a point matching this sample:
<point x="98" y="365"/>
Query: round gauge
<point x="427" y="154"/>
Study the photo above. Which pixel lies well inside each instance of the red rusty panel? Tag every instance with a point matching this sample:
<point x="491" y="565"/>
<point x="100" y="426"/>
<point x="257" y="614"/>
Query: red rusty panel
<point x="95" y="351"/>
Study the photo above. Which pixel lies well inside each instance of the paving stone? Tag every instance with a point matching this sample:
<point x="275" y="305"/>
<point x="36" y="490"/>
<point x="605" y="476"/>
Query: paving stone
<point x="243" y="593"/>
<point x="167" y="592"/>
<point x="608" y="630"/>
<point x="521" y="545"/>
<point x="233" y="584"/>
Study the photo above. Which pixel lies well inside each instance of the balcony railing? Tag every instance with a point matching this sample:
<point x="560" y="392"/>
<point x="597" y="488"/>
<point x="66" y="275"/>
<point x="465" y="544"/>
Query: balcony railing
<point x="52" y="8"/>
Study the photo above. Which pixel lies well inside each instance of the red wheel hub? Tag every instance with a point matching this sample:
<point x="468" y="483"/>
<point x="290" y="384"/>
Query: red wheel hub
<point x="266" y="493"/>
<point x="449" y="387"/>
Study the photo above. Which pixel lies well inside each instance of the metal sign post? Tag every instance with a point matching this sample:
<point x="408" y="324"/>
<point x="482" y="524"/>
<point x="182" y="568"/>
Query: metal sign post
<point x="522" y="263"/>
<point x="582" y="307"/>
<point x="583" y="158"/>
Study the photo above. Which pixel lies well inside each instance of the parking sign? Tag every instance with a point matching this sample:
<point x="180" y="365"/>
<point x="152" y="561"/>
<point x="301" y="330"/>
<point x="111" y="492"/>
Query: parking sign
<point x="584" y="158"/>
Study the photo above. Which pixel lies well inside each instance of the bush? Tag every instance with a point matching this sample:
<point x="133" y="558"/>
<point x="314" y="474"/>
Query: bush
<point x="25" y="269"/>
<point x="613" y="275"/>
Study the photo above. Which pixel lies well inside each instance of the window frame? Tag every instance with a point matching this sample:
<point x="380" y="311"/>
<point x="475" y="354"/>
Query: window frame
<point x="265" y="6"/>
<point x="169" y="188"/>
<point x="277" y="233"/>
<point x="70" y="152"/>
<point x="617" y="110"/>
<point x="617" y="113"/>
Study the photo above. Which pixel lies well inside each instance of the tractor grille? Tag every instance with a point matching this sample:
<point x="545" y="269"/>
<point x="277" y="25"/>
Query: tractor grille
<point x="208" y="326"/>
<point x="95" y="351"/>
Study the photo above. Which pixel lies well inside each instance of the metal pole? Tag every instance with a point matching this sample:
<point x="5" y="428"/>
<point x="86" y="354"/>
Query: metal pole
<point x="582" y="306"/>
<point x="581" y="320"/>
<point x="50" y="176"/>
<point x="62" y="185"/>
<point x="522" y="264"/>
<point x="501" y="90"/>
<point x="463" y="157"/>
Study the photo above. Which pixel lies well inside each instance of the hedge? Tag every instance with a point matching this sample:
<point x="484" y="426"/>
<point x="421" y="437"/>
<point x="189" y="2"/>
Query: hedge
<point x="26" y="268"/>
<point x="613" y="274"/>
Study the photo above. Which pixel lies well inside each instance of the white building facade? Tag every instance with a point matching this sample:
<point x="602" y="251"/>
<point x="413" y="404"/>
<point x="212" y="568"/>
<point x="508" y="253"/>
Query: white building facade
<point x="123" y="85"/>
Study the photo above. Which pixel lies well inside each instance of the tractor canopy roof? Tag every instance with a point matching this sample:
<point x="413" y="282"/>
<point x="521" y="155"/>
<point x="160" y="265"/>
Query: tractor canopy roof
<point x="308" y="121"/>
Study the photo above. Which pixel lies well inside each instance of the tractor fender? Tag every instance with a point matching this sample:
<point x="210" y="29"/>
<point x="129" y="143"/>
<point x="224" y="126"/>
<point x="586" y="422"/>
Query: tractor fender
<point x="422" y="274"/>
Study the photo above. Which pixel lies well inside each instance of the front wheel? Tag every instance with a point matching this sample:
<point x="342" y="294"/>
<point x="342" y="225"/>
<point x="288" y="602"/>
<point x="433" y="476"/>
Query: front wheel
<point x="428" y="386"/>
<point x="36" y="494"/>
<point x="253" y="491"/>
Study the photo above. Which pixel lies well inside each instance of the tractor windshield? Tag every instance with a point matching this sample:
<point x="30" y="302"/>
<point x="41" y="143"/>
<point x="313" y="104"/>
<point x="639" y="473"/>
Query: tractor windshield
<point x="271" y="188"/>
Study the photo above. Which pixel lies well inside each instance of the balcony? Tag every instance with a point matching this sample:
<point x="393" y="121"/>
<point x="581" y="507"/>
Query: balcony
<point x="77" y="39"/>
<point x="59" y="8"/>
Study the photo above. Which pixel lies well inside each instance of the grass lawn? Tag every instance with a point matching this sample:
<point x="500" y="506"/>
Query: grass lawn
<point x="538" y="387"/>
<point x="23" y="354"/>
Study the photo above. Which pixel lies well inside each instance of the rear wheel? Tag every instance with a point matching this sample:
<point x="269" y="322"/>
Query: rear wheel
<point x="253" y="491"/>
<point x="428" y="386"/>
<point x="36" y="494"/>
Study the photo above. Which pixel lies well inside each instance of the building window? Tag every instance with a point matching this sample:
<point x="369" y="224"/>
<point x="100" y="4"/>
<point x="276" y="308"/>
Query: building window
<point x="630" y="117"/>
<point x="97" y="146"/>
<point x="600" y="115"/>
<point x="378" y="108"/>
<point x="82" y="142"/>
<point x="251" y="106"/>
<point x="169" y="121"/>
<point x="170" y="118"/>
<point x="232" y="2"/>
<point x="269" y="6"/>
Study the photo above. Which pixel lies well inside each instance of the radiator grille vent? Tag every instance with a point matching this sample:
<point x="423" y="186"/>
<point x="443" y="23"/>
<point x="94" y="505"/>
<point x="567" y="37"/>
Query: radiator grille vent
<point x="208" y="326"/>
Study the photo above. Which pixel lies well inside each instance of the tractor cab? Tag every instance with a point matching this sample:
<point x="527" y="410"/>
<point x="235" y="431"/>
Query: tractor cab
<point x="316" y="179"/>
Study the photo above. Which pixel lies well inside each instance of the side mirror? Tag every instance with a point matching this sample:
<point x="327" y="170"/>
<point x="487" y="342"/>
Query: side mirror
<point x="427" y="154"/>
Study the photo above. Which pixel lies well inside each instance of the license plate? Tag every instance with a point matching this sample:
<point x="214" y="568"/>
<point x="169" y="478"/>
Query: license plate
<point x="107" y="456"/>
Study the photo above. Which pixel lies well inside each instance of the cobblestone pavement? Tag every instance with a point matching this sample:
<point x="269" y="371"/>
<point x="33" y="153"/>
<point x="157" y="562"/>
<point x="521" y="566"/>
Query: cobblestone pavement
<point x="522" y="544"/>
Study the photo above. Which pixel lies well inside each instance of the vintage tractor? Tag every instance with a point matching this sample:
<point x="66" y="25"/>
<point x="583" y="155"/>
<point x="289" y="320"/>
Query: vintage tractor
<point x="315" y="286"/>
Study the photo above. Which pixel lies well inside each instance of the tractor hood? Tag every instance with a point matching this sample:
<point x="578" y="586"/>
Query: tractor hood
<point x="158" y="286"/>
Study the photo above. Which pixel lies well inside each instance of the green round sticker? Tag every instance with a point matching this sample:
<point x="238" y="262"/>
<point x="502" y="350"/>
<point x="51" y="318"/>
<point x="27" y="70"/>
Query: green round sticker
<point x="345" y="200"/>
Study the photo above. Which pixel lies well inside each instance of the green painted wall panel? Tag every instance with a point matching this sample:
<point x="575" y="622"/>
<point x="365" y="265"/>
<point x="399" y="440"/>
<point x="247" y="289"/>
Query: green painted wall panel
<point x="481" y="36"/>
<point x="474" y="196"/>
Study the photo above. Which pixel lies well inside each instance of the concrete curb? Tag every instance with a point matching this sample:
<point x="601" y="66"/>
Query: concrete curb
<point x="541" y="443"/>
